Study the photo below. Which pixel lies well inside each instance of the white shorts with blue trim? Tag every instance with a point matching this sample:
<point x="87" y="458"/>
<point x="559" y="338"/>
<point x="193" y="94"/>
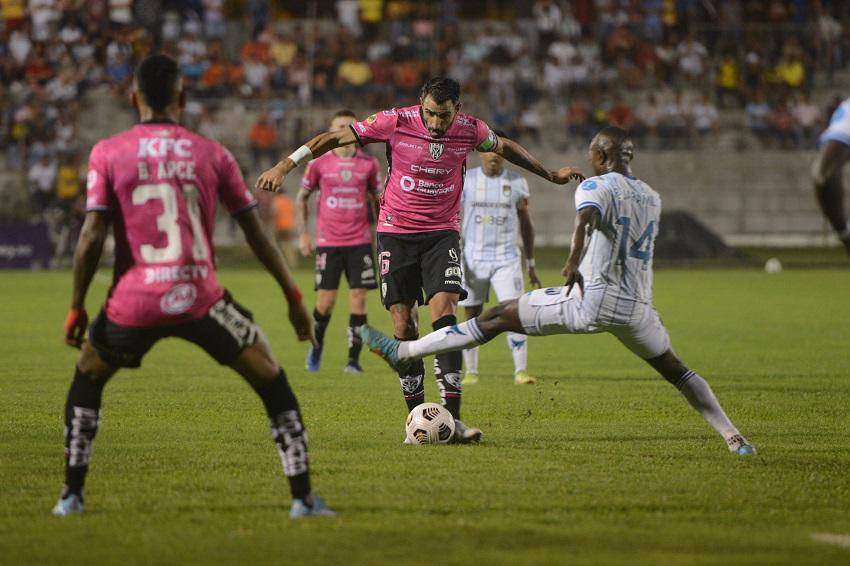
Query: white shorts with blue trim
<point x="551" y="311"/>
<point x="506" y="280"/>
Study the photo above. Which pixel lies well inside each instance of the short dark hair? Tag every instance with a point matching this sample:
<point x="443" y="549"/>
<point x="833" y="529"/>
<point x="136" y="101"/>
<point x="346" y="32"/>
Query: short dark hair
<point x="441" y="89"/>
<point x="157" y="77"/>
<point x="615" y="143"/>
<point x="344" y="113"/>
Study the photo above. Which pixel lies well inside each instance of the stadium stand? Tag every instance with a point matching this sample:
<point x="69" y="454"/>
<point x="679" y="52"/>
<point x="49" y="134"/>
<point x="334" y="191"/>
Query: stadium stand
<point x="724" y="80"/>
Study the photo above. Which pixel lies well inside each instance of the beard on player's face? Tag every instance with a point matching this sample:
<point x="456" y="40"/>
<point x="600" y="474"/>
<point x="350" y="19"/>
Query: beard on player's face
<point x="438" y="117"/>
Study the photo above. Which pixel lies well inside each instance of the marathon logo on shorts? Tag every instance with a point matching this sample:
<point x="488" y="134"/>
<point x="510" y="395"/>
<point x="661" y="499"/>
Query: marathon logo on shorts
<point x="436" y="150"/>
<point x="179" y="299"/>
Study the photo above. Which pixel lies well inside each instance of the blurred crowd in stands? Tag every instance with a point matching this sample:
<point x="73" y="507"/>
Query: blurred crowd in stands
<point x="674" y="72"/>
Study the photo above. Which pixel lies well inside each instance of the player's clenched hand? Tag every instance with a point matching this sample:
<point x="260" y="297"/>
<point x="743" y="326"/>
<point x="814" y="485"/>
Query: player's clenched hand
<point x="302" y="322"/>
<point x="272" y="179"/>
<point x="573" y="277"/>
<point x="75" y="327"/>
<point x="305" y="244"/>
<point x="566" y="174"/>
<point x="534" y="279"/>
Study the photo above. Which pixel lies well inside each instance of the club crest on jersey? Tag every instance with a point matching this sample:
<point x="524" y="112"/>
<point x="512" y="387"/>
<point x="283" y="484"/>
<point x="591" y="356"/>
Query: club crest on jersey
<point x="371" y="119"/>
<point x="506" y="190"/>
<point x="436" y="150"/>
<point x="345" y="175"/>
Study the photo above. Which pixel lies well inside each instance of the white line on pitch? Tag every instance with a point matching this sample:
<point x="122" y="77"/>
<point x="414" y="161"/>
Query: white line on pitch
<point x="832" y="538"/>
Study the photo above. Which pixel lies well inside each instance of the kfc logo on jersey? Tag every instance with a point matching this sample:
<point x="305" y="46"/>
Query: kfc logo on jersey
<point x="160" y="147"/>
<point x="179" y="299"/>
<point x="436" y="150"/>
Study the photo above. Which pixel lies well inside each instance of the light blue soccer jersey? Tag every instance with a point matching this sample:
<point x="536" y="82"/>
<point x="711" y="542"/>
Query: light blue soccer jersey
<point x="617" y="267"/>
<point x="839" y="125"/>
<point x="490" y="216"/>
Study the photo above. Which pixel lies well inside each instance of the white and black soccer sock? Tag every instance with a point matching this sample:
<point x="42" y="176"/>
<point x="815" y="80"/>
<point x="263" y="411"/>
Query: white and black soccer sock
<point x="448" y="339"/>
<point x="412" y="382"/>
<point x="447" y="370"/>
<point x="699" y="394"/>
<point x="82" y="420"/>
<point x="322" y="321"/>
<point x="288" y="433"/>
<point x="355" y="343"/>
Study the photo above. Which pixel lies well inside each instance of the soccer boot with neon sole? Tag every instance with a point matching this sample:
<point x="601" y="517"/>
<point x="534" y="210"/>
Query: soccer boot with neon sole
<point x="383" y="346"/>
<point x="69" y="505"/>
<point x="522" y="378"/>
<point x="311" y="506"/>
<point x="352" y="367"/>
<point x="740" y="446"/>
<point x="314" y="359"/>
<point x="466" y="434"/>
<point x="470" y="378"/>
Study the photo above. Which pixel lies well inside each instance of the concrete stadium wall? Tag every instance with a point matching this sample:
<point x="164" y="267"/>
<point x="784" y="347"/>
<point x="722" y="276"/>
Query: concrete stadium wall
<point x="753" y="197"/>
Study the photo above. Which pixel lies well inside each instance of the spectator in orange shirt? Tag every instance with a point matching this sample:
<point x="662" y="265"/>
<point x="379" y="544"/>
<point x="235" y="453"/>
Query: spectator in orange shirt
<point x="263" y="138"/>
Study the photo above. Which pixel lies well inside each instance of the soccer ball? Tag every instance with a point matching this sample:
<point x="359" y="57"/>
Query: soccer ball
<point x="430" y="423"/>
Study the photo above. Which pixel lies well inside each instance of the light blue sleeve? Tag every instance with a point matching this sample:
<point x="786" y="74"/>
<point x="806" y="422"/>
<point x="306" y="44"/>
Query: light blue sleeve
<point x="592" y="192"/>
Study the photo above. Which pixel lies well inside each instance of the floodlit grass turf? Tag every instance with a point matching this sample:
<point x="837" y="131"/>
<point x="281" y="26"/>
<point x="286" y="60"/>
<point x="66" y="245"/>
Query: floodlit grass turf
<point x="602" y="462"/>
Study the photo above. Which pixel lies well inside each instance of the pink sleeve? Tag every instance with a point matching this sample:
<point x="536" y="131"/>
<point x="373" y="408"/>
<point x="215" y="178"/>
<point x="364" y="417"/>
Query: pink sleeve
<point x="376" y="128"/>
<point x="232" y="190"/>
<point x="374" y="182"/>
<point x="310" y="180"/>
<point x="99" y="195"/>
<point x="485" y="138"/>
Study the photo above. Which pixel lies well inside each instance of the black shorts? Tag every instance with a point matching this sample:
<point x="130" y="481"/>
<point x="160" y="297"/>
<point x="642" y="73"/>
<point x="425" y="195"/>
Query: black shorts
<point x="411" y="263"/>
<point x="357" y="262"/>
<point x="226" y="330"/>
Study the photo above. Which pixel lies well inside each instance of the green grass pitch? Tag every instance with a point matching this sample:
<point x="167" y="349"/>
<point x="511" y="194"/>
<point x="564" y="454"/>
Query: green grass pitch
<point x="601" y="462"/>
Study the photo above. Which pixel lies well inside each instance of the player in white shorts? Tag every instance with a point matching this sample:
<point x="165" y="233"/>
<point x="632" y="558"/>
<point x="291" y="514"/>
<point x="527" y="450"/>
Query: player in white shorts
<point x="833" y="154"/>
<point x="495" y="209"/>
<point x="608" y="289"/>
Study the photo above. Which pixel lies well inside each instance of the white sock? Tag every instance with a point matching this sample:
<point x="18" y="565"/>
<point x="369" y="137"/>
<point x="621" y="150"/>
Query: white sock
<point x="449" y="339"/>
<point x="470" y="360"/>
<point x="518" y="343"/>
<point x="699" y="394"/>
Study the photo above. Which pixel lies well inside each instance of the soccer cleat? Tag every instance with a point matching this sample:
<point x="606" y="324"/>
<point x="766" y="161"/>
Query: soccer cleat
<point x="353" y="368"/>
<point x="740" y="446"/>
<point x="69" y="505"/>
<point x="466" y="434"/>
<point x="314" y="359"/>
<point x="522" y="378"/>
<point x="310" y="506"/>
<point x="383" y="346"/>
<point x="470" y="378"/>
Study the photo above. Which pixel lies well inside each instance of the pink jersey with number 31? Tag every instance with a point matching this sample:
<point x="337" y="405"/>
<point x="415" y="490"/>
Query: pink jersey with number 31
<point x="160" y="184"/>
<point x="425" y="178"/>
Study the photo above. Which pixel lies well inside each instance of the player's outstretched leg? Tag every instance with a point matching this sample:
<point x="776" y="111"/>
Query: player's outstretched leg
<point x="267" y="378"/>
<point x="470" y="355"/>
<point x="699" y="394"/>
<point x="82" y="419"/>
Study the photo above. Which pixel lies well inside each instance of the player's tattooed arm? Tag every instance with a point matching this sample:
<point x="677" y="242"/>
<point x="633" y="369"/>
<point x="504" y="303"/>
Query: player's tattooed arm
<point x="526" y="230"/>
<point x="302" y="218"/>
<point x="86" y="258"/>
<point x="586" y="221"/>
<point x="518" y="155"/>
<point x="271" y="258"/>
<point x="272" y="179"/>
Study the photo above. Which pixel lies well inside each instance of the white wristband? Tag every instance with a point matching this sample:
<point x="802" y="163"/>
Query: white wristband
<point x="529" y="262"/>
<point x="301" y="155"/>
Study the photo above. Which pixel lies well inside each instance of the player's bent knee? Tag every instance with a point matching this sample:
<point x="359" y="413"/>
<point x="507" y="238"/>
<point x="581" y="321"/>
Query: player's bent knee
<point x="92" y="365"/>
<point x="256" y="364"/>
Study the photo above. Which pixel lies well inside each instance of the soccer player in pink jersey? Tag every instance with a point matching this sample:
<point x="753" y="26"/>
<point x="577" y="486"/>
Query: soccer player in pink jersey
<point x="157" y="184"/>
<point x="419" y="220"/>
<point x="348" y="181"/>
